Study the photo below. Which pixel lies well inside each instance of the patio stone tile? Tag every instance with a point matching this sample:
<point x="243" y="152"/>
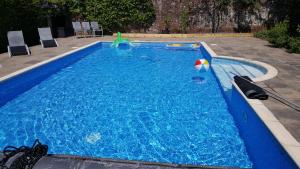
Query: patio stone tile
<point x="31" y="62"/>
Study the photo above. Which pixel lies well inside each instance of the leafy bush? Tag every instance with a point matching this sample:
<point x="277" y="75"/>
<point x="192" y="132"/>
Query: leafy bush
<point x="116" y="15"/>
<point x="294" y="45"/>
<point x="279" y="37"/>
<point x="113" y="15"/>
<point x="167" y="22"/>
<point x="184" y="20"/>
<point x="262" y="34"/>
<point x="20" y="15"/>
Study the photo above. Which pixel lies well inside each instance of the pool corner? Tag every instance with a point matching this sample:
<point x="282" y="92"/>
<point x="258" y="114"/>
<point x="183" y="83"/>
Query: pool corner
<point x="272" y="146"/>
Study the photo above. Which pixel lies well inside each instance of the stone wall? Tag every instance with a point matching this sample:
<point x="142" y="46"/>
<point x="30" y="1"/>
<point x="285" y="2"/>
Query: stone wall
<point x="200" y="18"/>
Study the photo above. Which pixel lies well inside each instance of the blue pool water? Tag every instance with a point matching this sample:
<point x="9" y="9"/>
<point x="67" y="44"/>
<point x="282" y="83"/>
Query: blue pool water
<point x="143" y="103"/>
<point x="226" y="69"/>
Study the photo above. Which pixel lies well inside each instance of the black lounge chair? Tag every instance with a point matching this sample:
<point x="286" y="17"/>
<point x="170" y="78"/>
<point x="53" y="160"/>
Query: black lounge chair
<point x="16" y="45"/>
<point x="47" y="41"/>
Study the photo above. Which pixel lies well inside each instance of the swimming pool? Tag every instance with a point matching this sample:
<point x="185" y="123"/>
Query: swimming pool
<point x="141" y="103"/>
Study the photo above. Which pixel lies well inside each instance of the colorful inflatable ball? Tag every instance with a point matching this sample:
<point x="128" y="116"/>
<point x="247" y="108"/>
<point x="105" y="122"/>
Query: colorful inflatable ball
<point x="201" y="65"/>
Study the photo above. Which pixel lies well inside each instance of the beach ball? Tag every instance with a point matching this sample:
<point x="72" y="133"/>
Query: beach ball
<point x="201" y="65"/>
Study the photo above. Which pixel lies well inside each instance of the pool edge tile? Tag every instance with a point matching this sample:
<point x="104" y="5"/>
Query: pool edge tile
<point x="11" y="75"/>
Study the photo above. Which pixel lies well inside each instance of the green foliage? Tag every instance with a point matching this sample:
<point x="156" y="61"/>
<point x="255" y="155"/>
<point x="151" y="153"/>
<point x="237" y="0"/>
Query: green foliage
<point x="245" y="4"/>
<point x="294" y="17"/>
<point x="184" y="20"/>
<point x="219" y="7"/>
<point x="113" y="15"/>
<point x="20" y="15"/>
<point x="294" y="44"/>
<point x="167" y="21"/>
<point x="262" y="34"/>
<point x="279" y="37"/>
<point x="222" y="5"/>
<point x="243" y="8"/>
<point x="116" y="15"/>
<point x="281" y="10"/>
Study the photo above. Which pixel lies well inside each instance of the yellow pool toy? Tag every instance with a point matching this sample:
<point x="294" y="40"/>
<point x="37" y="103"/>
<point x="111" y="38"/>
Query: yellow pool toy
<point x="180" y="45"/>
<point x="195" y="45"/>
<point x="175" y="45"/>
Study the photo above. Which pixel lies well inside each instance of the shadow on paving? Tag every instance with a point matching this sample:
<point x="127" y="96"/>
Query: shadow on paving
<point x="74" y="162"/>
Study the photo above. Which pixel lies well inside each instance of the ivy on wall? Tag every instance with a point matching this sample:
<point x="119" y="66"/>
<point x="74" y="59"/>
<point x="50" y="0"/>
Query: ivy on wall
<point x="116" y="15"/>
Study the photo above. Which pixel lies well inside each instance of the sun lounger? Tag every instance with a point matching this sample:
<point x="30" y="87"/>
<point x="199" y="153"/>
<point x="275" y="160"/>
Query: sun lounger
<point x="96" y="28"/>
<point x="86" y="28"/>
<point x="77" y="28"/>
<point x="46" y="39"/>
<point x="16" y="44"/>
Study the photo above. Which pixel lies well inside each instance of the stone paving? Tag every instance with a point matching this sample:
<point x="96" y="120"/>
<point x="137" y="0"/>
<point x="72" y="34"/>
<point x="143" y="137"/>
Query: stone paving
<point x="287" y="83"/>
<point x="38" y="54"/>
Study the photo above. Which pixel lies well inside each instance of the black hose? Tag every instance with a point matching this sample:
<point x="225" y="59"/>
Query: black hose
<point x="26" y="160"/>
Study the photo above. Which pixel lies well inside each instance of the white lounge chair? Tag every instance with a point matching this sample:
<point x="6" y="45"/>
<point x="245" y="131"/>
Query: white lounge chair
<point x="96" y="28"/>
<point x="77" y="28"/>
<point x="46" y="38"/>
<point x="86" y="28"/>
<point x="16" y="44"/>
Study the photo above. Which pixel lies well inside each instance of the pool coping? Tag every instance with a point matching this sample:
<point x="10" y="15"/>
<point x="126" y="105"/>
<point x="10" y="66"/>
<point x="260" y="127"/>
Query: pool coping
<point x="18" y="72"/>
<point x="23" y="70"/>
<point x="271" y="71"/>
<point x="180" y="35"/>
<point x="281" y="134"/>
<point x="288" y="142"/>
<point x="139" y="163"/>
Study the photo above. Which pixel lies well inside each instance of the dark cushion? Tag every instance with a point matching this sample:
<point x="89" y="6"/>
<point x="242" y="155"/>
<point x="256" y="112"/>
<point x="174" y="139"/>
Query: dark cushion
<point x="98" y="32"/>
<point x="250" y="90"/>
<point x="49" y="43"/>
<point x="18" y="50"/>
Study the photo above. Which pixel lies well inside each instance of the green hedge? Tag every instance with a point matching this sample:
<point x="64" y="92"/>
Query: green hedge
<point x="113" y="15"/>
<point x="20" y="15"/>
<point x="120" y="15"/>
<point x="279" y="37"/>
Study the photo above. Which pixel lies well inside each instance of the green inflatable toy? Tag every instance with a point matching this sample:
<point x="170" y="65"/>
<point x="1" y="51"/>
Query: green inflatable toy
<point x="120" y="40"/>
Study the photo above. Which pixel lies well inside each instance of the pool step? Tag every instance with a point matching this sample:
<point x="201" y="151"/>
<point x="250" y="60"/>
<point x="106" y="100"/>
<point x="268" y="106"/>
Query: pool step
<point x="76" y="162"/>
